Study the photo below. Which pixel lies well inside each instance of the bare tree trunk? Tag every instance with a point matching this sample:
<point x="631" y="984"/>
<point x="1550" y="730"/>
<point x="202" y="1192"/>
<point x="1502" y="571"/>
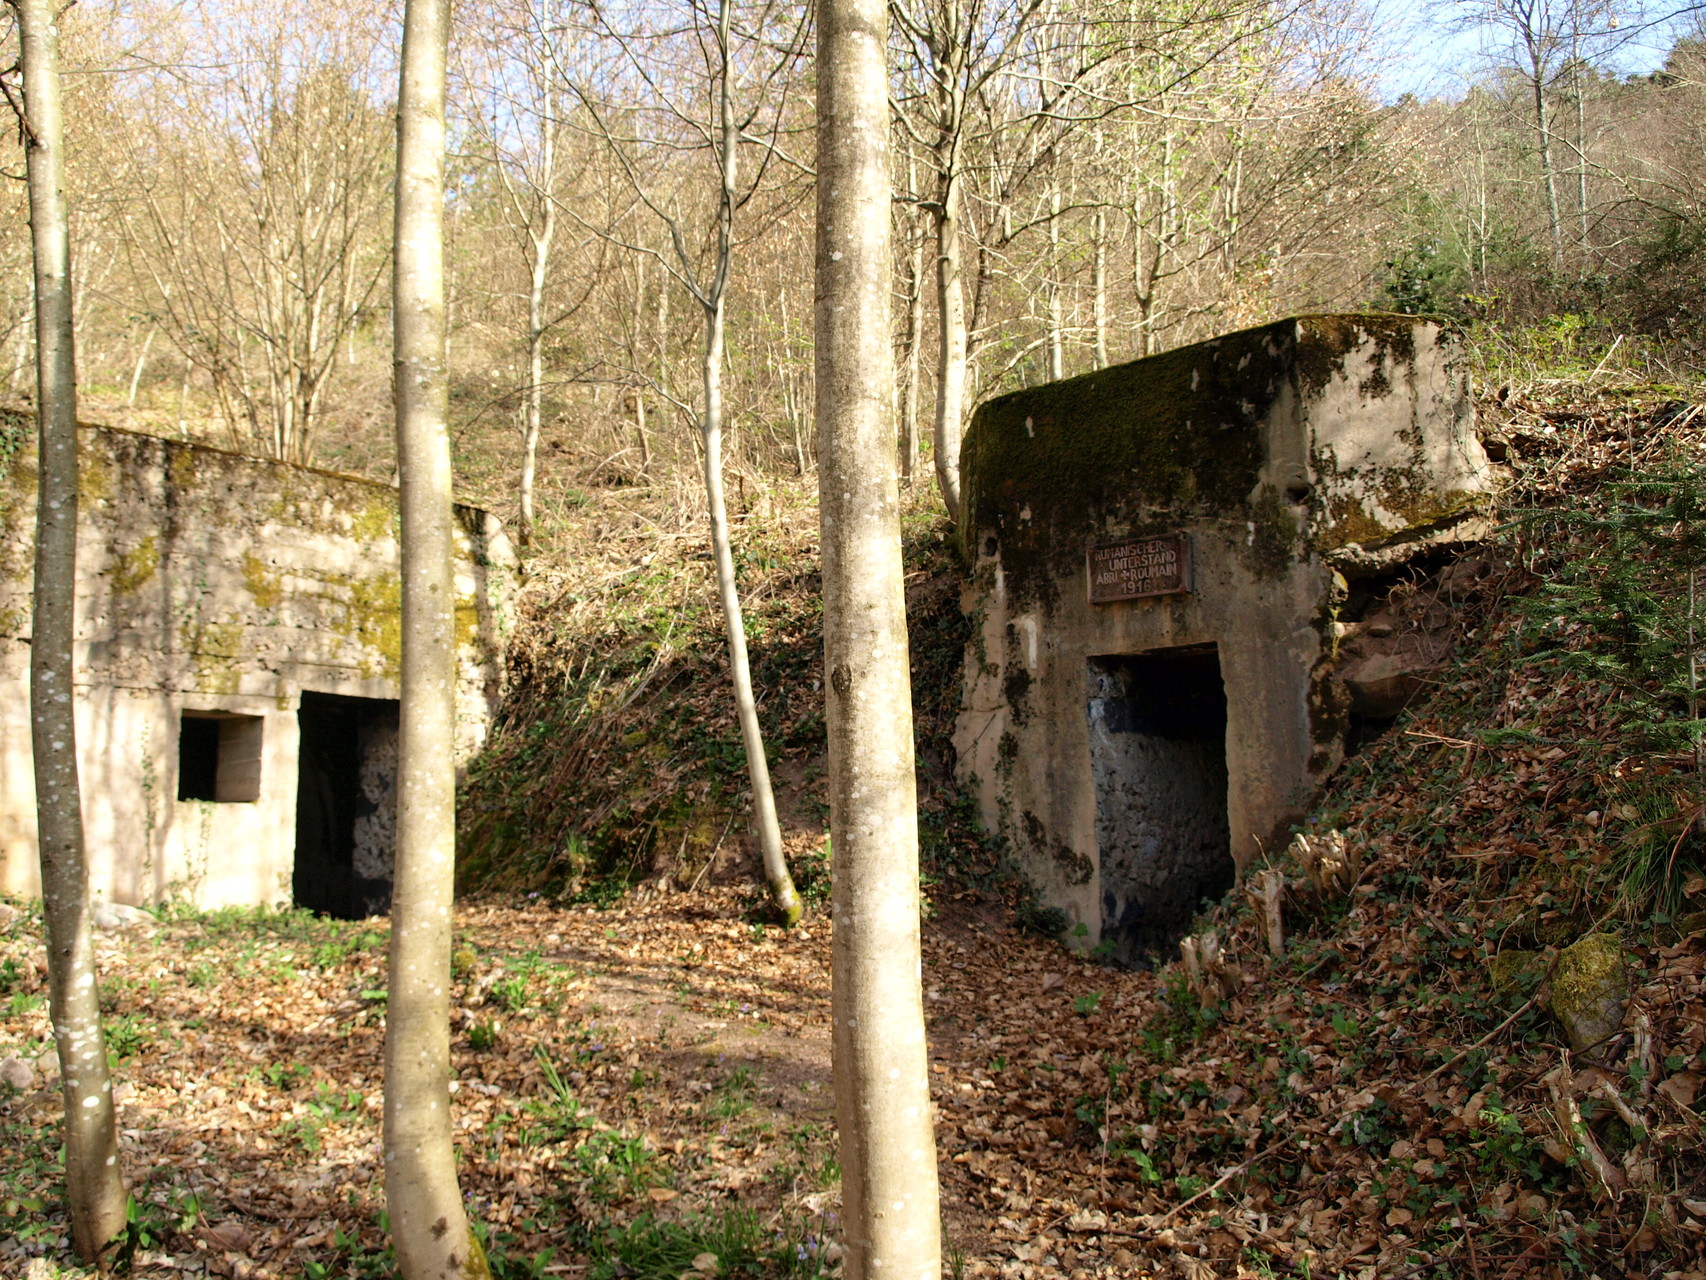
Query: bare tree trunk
<point x="1099" y="285"/>
<point x="136" y="375"/>
<point x="1581" y="167"/>
<point x="663" y="334"/>
<point x="890" y="1197"/>
<point x="769" y="831"/>
<point x="94" y="1188"/>
<point x="914" y="345"/>
<point x="541" y="241"/>
<point x="638" y="363"/>
<point x="764" y="819"/>
<point x="1056" y="325"/>
<point x="951" y="366"/>
<point x="1543" y="135"/>
<point x="428" y="1225"/>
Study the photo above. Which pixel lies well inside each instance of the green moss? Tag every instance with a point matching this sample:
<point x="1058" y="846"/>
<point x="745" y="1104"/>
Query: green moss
<point x="216" y="653"/>
<point x="1324" y="342"/>
<point x="133" y="569"/>
<point x="373" y="616"/>
<point x="264" y="585"/>
<point x="1515" y="972"/>
<point x="182" y="471"/>
<point x="1273" y="542"/>
<point x="1588" y="973"/>
<point x="95" y="479"/>
<point x="1174" y="433"/>
<point x="376" y="518"/>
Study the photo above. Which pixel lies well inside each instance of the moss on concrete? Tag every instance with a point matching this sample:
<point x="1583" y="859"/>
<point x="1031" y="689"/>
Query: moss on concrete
<point x="1273" y="541"/>
<point x="216" y="652"/>
<point x="1177" y="432"/>
<point x="1138" y="447"/>
<point x="373" y="617"/>
<point x="266" y="586"/>
<point x="1326" y="340"/>
<point x="376" y="518"/>
<point x="134" y="569"/>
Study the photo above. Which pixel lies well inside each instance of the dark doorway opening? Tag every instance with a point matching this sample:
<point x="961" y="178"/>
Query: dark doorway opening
<point x="346" y="805"/>
<point x="1158" y="755"/>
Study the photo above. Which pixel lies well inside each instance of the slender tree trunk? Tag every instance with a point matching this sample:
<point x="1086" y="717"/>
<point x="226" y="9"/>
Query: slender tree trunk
<point x="645" y="439"/>
<point x="136" y="374"/>
<point x="428" y="1225"/>
<point x="1099" y="285"/>
<point x="540" y="265"/>
<point x="1581" y="167"/>
<point x="889" y="1192"/>
<point x="1056" y="323"/>
<point x="914" y="345"/>
<point x="769" y="831"/>
<point x="94" y="1188"/>
<point x="764" y="819"/>
<point x="951" y="366"/>
<point x="663" y="333"/>
<point x="1548" y="170"/>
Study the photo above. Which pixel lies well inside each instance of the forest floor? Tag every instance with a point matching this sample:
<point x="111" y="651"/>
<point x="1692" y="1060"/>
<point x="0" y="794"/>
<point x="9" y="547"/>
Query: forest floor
<point x="642" y="1077"/>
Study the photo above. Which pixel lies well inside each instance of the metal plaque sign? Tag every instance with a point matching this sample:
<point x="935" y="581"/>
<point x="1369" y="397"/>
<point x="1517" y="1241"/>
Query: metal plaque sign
<point x="1140" y="567"/>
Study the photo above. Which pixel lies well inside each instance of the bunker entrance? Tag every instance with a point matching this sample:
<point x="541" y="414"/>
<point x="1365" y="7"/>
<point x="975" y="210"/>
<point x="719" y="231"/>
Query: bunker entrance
<point x="346" y="805"/>
<point x="1158" y="757"/>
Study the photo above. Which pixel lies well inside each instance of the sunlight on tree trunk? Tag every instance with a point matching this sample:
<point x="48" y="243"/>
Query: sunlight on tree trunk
<point x="94" y="1188"/>
<point x="951" y="367"/>
<point x="769" y="830"/>
<point x="428" y="1225"/>
<point x="890" y="1199"/>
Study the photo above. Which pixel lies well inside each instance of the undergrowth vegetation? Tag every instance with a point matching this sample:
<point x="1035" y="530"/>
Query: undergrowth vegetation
<point x="617" y="757"/>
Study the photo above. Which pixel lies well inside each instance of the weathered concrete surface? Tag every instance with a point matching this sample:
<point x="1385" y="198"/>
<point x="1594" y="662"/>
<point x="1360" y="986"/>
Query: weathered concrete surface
<point x="214" y="582"/>
<point x="1292" y="457"/>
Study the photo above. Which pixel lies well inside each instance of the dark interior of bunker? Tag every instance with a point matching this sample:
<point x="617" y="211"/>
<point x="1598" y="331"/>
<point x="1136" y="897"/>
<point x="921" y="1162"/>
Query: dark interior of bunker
<point x="346" y="805"/>
<point x="1158" y="757"/>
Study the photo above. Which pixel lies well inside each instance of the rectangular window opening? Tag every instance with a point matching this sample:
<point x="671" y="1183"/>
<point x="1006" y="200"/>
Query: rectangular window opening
<point x="219" y="757"/>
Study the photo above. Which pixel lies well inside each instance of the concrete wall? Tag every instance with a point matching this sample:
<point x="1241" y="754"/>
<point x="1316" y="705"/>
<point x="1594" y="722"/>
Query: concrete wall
<point x="214" y="582"/>
<point x="1291" y="457"/>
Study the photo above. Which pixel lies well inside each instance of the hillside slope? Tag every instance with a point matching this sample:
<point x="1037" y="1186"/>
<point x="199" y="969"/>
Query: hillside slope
<point x="1396" y="1090"/>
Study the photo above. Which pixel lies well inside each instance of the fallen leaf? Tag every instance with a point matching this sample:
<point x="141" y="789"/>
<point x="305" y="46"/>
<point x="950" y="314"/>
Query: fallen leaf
<point x="1682" y="1088"/>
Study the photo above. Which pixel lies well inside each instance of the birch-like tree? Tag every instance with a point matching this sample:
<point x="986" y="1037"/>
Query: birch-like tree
<point x="889" y="1191"/>
<point x="94" y="1186"/>
<point x="428" y="1224"/>
<point x="724" y="103"/>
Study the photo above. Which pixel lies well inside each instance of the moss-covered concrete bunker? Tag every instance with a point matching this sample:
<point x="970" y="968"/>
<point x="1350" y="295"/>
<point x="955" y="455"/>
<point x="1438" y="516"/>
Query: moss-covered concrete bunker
<point x="1159" y="553"/>
<point x="238" y="643"/>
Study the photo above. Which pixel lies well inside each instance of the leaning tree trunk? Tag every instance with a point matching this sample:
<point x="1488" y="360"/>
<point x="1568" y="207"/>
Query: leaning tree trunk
<point x="889" y="1190"/>
<point x="782" y="893"/>
<point x="428" y="1225"/>
<point x="94" y="1189"/>
<point x="764" y="821"/>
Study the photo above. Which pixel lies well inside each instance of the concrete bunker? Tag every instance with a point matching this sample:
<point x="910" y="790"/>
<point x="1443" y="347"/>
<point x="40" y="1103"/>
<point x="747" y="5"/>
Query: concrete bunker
<point x="237" y="651"/>
<point x="1177" y="569"/>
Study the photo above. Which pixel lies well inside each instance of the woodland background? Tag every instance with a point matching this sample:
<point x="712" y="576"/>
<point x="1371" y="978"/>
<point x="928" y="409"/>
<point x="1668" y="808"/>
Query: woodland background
<point x="1113" y="180"/>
